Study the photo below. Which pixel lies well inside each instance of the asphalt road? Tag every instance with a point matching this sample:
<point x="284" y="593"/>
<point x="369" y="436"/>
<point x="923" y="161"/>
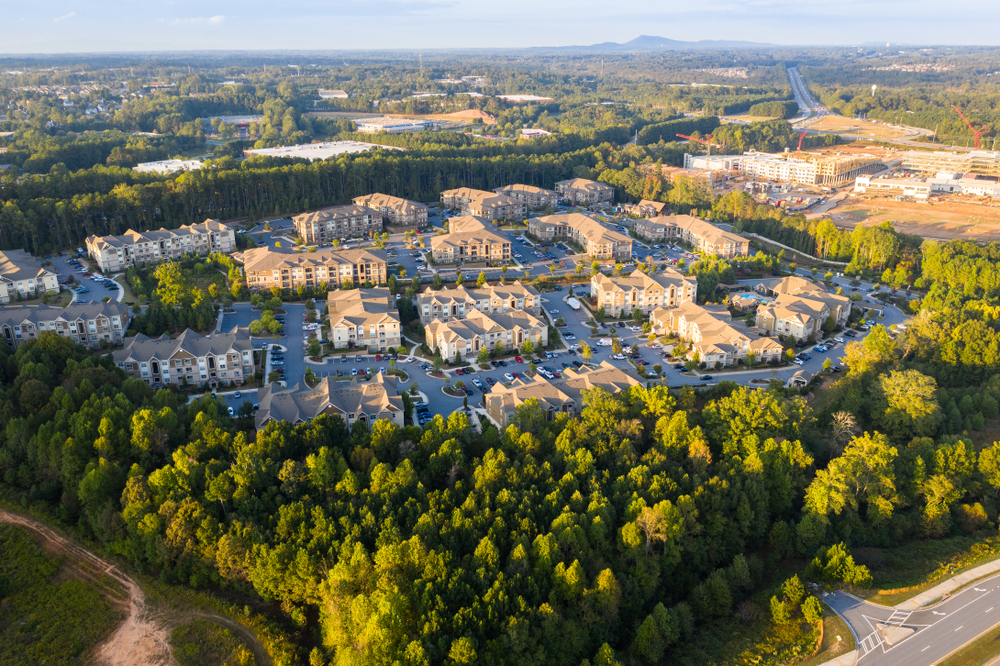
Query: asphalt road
<point x="924" y="636"/>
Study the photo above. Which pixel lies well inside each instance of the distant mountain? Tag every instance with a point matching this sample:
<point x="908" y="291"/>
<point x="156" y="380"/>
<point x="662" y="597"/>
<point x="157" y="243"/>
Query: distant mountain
<point x="649" y="43"/>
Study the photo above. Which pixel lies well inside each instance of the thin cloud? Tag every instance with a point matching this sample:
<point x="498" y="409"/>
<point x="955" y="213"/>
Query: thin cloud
<point x="201" y="20"/>
<point x="64" y="17"/>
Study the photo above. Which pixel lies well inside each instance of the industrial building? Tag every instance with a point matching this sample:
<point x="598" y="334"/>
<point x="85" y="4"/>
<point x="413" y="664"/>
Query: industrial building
<point x="390" y="125"/>
<point x="316" y="151"/>
<point x="167" y="166"/>
<point x="924" y="188"/>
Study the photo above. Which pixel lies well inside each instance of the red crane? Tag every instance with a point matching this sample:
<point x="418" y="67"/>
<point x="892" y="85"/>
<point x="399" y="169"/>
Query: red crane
<point x="975" y="132"/>
<point x="707" y="141"/>
<point x="801" y="136"/>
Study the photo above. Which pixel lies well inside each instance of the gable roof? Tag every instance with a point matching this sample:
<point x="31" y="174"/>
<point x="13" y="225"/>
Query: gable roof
<point x="299" y="403"/>
<point x="142" y="348"/>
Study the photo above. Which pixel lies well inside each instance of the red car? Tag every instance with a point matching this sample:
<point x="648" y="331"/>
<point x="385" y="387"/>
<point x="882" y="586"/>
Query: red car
<point x="518" y="359"/>
<point x="459" y="371"/>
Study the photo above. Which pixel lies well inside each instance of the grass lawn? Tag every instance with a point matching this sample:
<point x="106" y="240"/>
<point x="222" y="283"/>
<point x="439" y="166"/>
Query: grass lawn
<point x="979" y="652"/>
<point x="202" y="643"/>
<point x="60" y="300"/>
<point x="833" y="627"/>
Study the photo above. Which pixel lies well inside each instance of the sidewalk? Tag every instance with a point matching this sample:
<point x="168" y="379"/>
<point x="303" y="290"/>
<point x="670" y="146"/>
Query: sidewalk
<point x="949" y="586"/>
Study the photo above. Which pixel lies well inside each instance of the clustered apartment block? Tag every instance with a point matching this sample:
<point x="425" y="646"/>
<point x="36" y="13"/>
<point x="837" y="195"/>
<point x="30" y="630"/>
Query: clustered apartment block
<point x="711" y="337"/>
<point x="799" y="308"/>
<point x="364" y="318"/>
<point x="85" y="323"/>
<point x="597" y="240"/>
<point x="531" y="196"/>
<point x="447" y="304"/>
<point x="395" y="210"/>
<point x="116" y="253"/>
<point x="487" y="205"/>
<point x="471" y="239"/>
<point x="350" y="221"/>
<point x="356" y="401"/>
<point x="213" y="360"/>
<point x="703" y="236"/>
<point x="639" y="291"/>
<point x="22" y="275"/>
<point x="583" y="191"/>
<point x="465" y="338"/>
<point x="266" y="268"/>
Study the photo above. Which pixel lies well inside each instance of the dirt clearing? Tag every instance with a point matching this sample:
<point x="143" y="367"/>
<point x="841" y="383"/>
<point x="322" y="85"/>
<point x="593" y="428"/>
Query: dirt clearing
<point x="841" y="125"/>
<point x="938" y="219"/>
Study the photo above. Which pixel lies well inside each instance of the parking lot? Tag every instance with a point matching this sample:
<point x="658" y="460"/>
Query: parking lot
<point x="93" y="284"/>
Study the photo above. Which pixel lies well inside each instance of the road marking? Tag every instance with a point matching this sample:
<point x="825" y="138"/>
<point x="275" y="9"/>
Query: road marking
<point x="977" y="589"/>
<point x="926" y="648"/>
<point x="989" y="609"/>
<point x="936" y="613"/>
<point x="958" y="628"/>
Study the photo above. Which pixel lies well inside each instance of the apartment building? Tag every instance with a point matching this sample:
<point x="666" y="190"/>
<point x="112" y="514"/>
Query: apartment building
<point x="365" y="318"/>
<point x="800" y="308"/>
<point x="556" y="396"/>
<point x="641" y="291"/>
<point x="465" y="337"/>
<point x="596" y="239"/>
<point x="471" y="239"/>
<point x="583" y="191"/>
<point x="22" y="275"/>
<point x="447" y="304"/>
<point x="366" y="401"/>
<point x="710" y="336"/>
<point x="809" y="168"/>
<point x="116" y="253"/>
<point x="980" y="162"/>
<point x="532" y="197"/>
<point x="213" y="360"/>
<point x="266" y="268"/>
<point x="487" y="205"/>
<point x="395" y="210"/>
<point x="703" y="236"/>
<point x="645" y="208"/>
<point x="86" y="323"/>
<point x="350" y="221"/>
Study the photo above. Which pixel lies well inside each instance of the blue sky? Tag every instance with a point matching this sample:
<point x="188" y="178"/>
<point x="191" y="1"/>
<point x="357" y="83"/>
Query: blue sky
<point x="52" y="26"/>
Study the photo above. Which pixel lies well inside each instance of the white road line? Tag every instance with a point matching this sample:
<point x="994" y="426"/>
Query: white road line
<point x="958" y="628"/>
<point x="926" y="648"/>
<point x="989" y="609"/>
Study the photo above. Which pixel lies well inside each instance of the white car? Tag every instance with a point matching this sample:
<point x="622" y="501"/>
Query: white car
<point x="553" y="311"/>
<point x="509" y="377"/>
<point x="797" y="361"/>
<point x="618" y="357"/>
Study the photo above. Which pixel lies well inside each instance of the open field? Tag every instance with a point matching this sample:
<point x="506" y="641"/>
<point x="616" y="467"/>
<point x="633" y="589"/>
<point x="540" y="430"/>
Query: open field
<point x="937" y="219"/>
<point x="841" y="125"/>
<point x="202" y="643"/>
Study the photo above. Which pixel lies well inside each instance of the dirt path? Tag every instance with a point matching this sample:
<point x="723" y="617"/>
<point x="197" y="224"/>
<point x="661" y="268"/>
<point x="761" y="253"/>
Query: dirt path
<point x="141" y="640"/>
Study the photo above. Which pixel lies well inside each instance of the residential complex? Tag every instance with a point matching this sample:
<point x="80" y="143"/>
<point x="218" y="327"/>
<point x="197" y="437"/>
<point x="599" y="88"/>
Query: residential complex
<point x="116" y="253"/>
<point x="710" y="336"/>
<point x="641" y="291"/>
<point x="365" y="318"/>
<point x="531" y="196"/>
<point x="21" y="274"/>
<point x="471" y="239"/>
<point x="596" y="239"/>
<point x="266" y="268"/>
<point x="645" y="208"/>
<point x="806" y="168"/>
<point x="352" y="220"/>
<point x="215" y="360"/>
<point x="447" y="304"/>
<point x="87" y="323"/>
<point x="799" y="308"/>
<point x="583" y="191"/>
<point x="564" y="395"/>
<point x="465" y="337"/>
<point x="979" y="162"/>
<point x="703" y="236"/>
<point x="397" y="211"/>
<point x="480" y="203"/>
<point x="944" y="183"/>
<point x="353" y="401"/>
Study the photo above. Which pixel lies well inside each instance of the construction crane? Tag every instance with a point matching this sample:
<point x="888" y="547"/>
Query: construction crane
<point x="975" y="132"/>
<point x="801" y="136"/>
<point x="707" y="141"/>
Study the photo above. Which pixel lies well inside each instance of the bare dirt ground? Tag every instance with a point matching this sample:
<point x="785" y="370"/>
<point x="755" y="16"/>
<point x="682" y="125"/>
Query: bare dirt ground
<point x="141" y="639"/>
<point x="940" y="219"/>
<point x="839" y="124"/>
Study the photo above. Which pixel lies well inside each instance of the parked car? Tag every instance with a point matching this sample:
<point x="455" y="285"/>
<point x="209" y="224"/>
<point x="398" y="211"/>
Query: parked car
<point x="519" y="359"/>
<point x="509" y="377"/>
<point x="706" y="378"/>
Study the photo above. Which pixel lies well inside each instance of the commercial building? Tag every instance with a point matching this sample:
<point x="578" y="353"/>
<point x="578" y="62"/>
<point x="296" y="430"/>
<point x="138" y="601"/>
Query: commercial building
<point x="447" y="304"/>
<point x="896" y="187"/>
<point x="944" y="183"/>
<point x="365" y="318"/>
<point x="471" y="239"/>
<point x="390" y="125"/>
<point x="197" y="360"/>
<point x="713" y="162"/>
<point x="596" y="239"/>
<point x="86" y="323"/>
<point x="979" y="162"/>
<point x="21" y="274"/>
<point x="466" y="337"/>
<point x="168" y="166"/>
<point x="703" y="236"/>
<point x="799" y="308"/>
<point x="564" y="395"/>
<point x="395" y="210"/>
<point x="488" y="205"/>
<point x="583" y="191"/>
<point x="365" y="401"/>
<point x="532" y="197"/>
<point x="266" y="268"/>
<point x="644" y="208"/>
<point x="317" y="151"/>
<point x="116" y="253"/>
<point x="352" y="220"/>
<point x="710" y="336"/>
<point x="332" y="94"/>
<point x="640" y="291"/>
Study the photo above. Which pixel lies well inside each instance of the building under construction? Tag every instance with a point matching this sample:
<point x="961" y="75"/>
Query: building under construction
<point x="806" y="168"/>
<point x="979" y="162"/>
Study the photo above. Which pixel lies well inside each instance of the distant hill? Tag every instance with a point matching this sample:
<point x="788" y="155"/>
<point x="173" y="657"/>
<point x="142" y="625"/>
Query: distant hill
<point x="650" y="43"/>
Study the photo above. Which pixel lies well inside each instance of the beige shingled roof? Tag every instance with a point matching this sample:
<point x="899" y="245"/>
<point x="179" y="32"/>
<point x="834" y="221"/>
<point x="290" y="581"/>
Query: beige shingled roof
<point x="266" y="258"/>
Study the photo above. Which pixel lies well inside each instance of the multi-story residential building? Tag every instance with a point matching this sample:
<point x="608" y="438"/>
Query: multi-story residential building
<point x="800" y="308"/>
<point x="711" y="337"/>
<point x="348" y="221"/>
<point x="364" y="318"/>
<point x="212" y="360"/>
<point x="116" y="253"/>
<point x="447" y="304"/>
<point x="397" y="211"/>
<point x="532" y="197"/>
<point x="641" y="291"/>
<point x="465" y="337"/>
<point x="645" y="208"/>
<point x="583" y="191"/>
<point x="87" y="323"/>
<point x="487" y="205"/>
<point x="355" y="400"/>
<point x="266" y="268"/>
<point x="556" y="396"/>
<point x="597" y="240"/>
<point x="704" y="236"/>
<point x="21" y="274"/>
<point x="471" y="239"/>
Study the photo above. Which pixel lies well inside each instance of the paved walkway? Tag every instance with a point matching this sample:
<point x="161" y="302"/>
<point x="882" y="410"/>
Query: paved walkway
<point x="949" y="586"/>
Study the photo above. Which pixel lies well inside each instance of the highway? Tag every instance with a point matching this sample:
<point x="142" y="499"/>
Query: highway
<point x="887" y="636"/>
<point x="809" y="108"/>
